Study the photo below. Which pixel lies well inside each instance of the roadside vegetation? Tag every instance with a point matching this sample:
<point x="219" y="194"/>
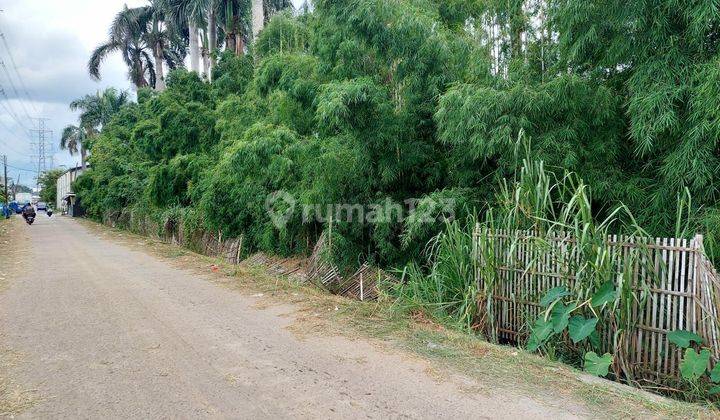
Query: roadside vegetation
<point x="48" y="184"/>
<point x="591" y="115"/>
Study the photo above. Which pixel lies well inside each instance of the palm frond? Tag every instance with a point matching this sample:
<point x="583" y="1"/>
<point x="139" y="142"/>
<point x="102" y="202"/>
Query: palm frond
<point x="97" y="57"/>
<point x="72" y="137"/>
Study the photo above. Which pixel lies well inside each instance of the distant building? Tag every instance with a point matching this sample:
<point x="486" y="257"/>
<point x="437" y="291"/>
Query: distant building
<point x="67" y="201"/>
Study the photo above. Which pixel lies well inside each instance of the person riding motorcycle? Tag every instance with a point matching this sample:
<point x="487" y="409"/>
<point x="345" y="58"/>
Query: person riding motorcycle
<point x="28" y="210"/>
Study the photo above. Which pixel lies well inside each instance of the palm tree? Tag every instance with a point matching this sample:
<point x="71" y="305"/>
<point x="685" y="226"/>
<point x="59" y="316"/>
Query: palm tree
<point x="212" y="35"/>
<point x="235" y="19"/>
<point x="234" y="25"/>
<point x="190" y="14"/>
<point x="243" y="18"/>
<point x="162" y="36"/>
<point x="126" y="37"/>
<point x="74" y="139"/>
<point x="96" y="112"/>
<point x="137" y="34"/>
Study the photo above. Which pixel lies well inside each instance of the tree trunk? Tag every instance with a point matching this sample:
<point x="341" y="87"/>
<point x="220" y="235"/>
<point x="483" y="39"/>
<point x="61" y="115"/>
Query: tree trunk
<point x="83" y="156"/>
<point x="517" y="28"/>
<point x="141" y="81"/>
<point x="258" y="17"/>
<point x="194" y="48"/>
<point x="137" y="71"/>
<point x="159" y="67"/>
<point x="212" y="38"/>
<point x="230" y="43"/>
<point x="206" y="62"/>
<point x="239" y="44"/>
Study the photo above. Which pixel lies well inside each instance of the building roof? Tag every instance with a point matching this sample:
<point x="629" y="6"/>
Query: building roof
<point x="76" y="168"/>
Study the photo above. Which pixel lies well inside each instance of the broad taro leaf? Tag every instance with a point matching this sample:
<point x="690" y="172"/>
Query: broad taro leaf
<point x="540" y="332"/>
<point x="597" y="365"/>
<point x="605" y="294"/>
<point x="694" y="365"/>
<point x="533" y="344"/>
<point x="581" y="328"/>
<point x="560" y="315"/>
<point x="595" y="339"/>
<point x="554" y="294"/>
<point x="682" y="338"/>
<point x="715" y="373"/>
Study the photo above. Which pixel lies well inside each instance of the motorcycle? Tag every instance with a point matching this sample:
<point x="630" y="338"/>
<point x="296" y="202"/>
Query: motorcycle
<point x="29" y="216"/>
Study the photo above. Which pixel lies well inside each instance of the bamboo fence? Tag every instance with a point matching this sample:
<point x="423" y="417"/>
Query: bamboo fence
<point x="684" y="292"/>
<point x="361" y="285"/>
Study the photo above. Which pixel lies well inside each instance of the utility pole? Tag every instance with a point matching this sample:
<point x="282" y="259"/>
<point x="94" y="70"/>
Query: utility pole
<point x="5" y="181"/>
<point x="15" y="186"/>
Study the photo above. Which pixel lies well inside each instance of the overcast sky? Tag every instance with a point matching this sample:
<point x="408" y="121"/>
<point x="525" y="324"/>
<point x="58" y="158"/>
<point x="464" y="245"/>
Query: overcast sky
<point x="51" y="42"/>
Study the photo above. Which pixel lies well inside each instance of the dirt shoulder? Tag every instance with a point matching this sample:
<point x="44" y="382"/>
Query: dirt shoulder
<point x="14" y="398"/>
<point x="480" y="367"/>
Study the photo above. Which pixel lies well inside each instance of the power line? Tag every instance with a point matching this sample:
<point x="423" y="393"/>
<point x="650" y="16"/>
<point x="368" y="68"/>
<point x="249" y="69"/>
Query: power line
<point x="15" y="90"/>
<point x="17" y="72"/>
<point x="9" y="130"/>
<point x="21" y="169"/>
<point x="7" y="146"/>
<point x="7" y="104"/>
<point x="8" y="107"/>
<point x="13" y="134"/>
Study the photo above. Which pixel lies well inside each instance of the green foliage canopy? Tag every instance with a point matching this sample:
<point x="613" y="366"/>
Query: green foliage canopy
<point x="375" y="101"/>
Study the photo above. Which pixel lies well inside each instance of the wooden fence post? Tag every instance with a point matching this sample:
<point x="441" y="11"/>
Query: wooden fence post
<point x="362" y="291"/>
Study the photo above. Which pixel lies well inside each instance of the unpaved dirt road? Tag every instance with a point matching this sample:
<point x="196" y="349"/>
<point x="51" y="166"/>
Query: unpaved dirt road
<point x="105" y="331"/>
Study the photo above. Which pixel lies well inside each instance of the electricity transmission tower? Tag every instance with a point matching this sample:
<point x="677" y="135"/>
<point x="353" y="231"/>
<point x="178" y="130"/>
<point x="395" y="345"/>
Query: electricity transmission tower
<point x="42" y="148"/>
